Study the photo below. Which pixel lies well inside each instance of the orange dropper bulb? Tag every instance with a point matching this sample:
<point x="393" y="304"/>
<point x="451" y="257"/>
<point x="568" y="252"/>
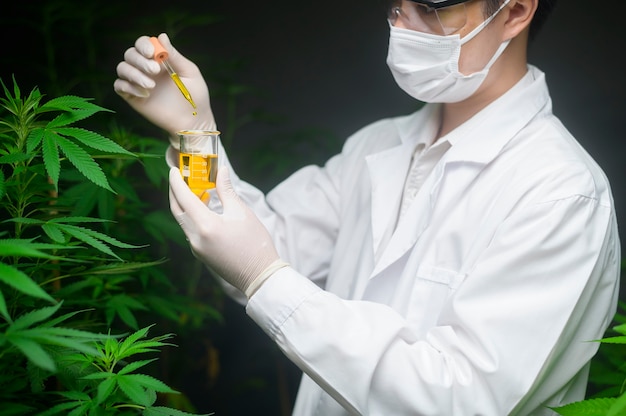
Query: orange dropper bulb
<point x="161" y="56"/>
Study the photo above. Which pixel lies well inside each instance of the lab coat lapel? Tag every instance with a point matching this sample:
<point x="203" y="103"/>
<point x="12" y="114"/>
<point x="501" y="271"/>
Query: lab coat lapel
<point x="387" y="170"/>
<point x="413" y="223"/>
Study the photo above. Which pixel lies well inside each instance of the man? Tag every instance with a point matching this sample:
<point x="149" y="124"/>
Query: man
<point x="455" y="261"/>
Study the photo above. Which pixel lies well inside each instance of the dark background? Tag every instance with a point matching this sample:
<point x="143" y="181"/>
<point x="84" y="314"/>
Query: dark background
<point x="317" y="68"/>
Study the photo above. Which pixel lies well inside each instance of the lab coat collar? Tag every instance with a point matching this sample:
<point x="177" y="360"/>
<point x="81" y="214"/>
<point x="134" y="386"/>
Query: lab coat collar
<point x="482" y="138"/>
<point x="419" y="127"/>
<point x="388" y="168"/>
<point x="478" y="141"/>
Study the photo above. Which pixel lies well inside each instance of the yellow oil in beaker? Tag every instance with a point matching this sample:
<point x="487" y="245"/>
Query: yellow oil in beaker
<point x="199" y="172"/>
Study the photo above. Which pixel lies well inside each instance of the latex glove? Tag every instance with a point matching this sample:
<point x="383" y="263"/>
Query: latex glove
<point x="149" y="89"/>
<point x="234" y="244"/>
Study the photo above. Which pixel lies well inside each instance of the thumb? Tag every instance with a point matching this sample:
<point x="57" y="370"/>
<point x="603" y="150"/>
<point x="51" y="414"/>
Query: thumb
<point x="167" y="44"/>
<point x="177" y="60"/>
<point x="225" y="191"/>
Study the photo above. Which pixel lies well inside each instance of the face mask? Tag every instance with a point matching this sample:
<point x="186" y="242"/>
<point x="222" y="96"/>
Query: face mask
<point x="426" y="66"/>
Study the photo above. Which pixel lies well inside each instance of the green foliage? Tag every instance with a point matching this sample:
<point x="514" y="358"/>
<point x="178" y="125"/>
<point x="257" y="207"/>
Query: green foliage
<point x="106" y="383"/>
<point x="607" y="376"/>
<point x="67" y="281"/>
<point x="590" y="407"/>
<point x="122" y="283"/>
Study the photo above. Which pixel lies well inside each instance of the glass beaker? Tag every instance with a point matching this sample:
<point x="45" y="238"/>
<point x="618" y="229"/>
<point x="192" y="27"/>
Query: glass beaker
<point x="198" y="160"/>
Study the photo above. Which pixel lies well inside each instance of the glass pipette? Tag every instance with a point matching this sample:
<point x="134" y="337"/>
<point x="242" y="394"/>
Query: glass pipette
<point x="161" y="56"/>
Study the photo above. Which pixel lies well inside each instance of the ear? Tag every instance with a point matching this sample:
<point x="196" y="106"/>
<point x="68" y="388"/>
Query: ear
<point x="520" y="14"/>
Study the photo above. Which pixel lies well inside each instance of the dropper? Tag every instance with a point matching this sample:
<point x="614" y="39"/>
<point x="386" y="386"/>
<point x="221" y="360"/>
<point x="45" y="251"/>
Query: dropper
<point x="161" y="56"/>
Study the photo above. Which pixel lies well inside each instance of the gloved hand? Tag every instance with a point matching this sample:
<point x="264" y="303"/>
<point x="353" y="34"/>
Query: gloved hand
<point x="234" y="244"/>
<point x="149" y="89"/>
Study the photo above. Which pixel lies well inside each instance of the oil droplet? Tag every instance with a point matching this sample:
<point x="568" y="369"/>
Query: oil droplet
<point x="194" y="113"/>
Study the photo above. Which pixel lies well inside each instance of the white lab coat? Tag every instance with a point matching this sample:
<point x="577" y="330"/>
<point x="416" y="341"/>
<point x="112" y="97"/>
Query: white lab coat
<point x="485" y="297"/>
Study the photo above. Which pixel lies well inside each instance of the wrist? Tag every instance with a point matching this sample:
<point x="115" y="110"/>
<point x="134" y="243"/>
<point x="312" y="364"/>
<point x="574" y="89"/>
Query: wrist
<point x="264" y="276"/>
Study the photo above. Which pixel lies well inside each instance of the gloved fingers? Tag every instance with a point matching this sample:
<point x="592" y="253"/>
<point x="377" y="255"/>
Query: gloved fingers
<point x="183" y="201"/>
<point x="175" y="207"/>
<point x="144" y="62"/>
<point x="127" y="90"/>
<point x="144" y="47"/>
<point x="231" y="202"/>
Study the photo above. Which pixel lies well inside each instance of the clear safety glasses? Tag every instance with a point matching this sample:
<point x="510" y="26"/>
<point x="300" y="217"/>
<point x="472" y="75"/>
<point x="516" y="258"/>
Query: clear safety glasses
<point x="438" y="17"/>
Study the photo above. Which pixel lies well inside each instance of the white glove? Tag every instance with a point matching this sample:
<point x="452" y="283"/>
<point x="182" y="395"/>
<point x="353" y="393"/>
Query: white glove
<point x="234" y="244"/>
<point x="149" y="89"/>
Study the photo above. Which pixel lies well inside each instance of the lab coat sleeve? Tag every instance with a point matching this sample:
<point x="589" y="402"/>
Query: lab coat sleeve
<point x="302" y="216"/>
<point x="541" y="289"/>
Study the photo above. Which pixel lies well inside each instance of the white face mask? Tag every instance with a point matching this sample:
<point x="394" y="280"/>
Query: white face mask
<point x="426" y="66"/>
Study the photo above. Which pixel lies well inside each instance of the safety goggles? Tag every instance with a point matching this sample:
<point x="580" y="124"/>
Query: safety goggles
<point x="439" y="17"/>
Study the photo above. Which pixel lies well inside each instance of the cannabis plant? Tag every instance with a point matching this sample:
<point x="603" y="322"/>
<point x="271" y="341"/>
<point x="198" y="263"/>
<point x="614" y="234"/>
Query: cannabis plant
<point x="63" y="278"/>
<point x="607" y="376"/>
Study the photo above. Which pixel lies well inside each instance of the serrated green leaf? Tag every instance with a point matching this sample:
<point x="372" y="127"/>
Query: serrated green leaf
<point x="34" y="139"/>
<point x="24" y="220"/>
<point x="20" y="281"/>
<point x="620" y="329"/>
<point x="14" y="158"/>
<point x="71" y="102"/>
<point x="93" y="140"/>
<point x="74" y="395"/>
<point x="129" y="368"/>
<point x="50" y="154"/>
<point x="87" y="238"/>
<point x="111" y="347"/>
<point x="98" y="375"/>
<point x="133" y="338"/>
<point x="133" y="344"/>
<point x="134" y="391"/>
<point x="60" y="408"/>
<point x="108" y="239"/>
<point x="618" y="408"/>
<point x="34" y="352"/>
<point x="106" y="388"/>
<point x="68" y="220"/>
<point x="117" y="307"/>
<point x="143" y="347"/>
<point x="4" y="311"/>
<point x="107" y="202"/>
<point x="81" y="410"/>
<point x="589" y="407"/>
<point x="614" y="340"/>
<point x="37" y="315"/>
<point x="64" y="317"/>
<point x="28" y="248"/>
<point x="82" y="195"/>
<point x="166" y="411"/>
<point x="75" y="334"/>
<point x="120" y="268"/>
<point x="69" y="117"/>
<point x="48" y="336"/>
<point x="149" y="382"/>
<point x="54" y="232"/>
<point x="21" y="248"/>
<point x="83" y="162"/>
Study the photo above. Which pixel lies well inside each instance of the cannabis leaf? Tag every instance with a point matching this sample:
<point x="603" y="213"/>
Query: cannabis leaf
<point x="57" y="139"/>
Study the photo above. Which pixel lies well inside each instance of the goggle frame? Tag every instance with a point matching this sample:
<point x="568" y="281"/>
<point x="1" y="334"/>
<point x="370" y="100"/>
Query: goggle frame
<point x="439" y="4"/>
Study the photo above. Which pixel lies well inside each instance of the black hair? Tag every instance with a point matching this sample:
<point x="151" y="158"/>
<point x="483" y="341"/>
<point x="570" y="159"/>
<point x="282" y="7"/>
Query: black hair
<point x="544" y="8"/>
